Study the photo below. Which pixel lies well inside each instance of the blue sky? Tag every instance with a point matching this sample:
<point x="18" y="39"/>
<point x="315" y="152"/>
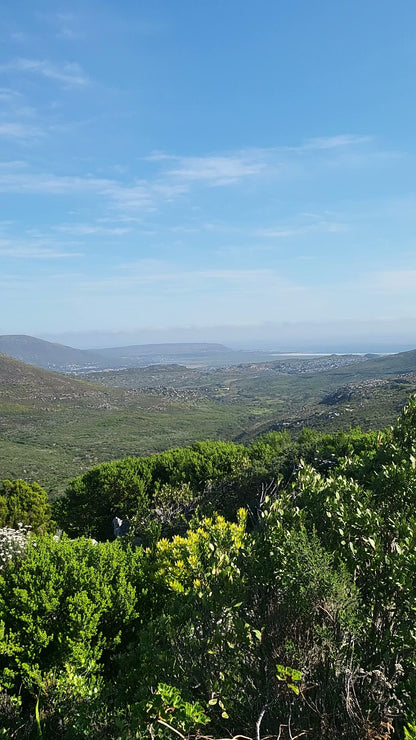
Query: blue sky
<point x="228" y="169"/>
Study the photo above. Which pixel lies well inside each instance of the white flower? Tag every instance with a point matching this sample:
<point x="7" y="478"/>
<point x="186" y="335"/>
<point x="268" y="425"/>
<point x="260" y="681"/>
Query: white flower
<point x="13" y="543"/>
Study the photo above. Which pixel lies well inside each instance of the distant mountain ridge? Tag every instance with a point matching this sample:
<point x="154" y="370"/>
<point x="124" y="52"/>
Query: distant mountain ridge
<point x="395" y="364"/>
<point x="47" y="355"/>
<point x="61" y="358"/>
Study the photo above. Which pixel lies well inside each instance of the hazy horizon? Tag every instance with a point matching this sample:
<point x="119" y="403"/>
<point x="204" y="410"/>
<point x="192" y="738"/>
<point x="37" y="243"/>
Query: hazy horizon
<point x="298" y="337"/>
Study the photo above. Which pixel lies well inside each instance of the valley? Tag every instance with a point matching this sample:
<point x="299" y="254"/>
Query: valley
<point x="54" y="426"/>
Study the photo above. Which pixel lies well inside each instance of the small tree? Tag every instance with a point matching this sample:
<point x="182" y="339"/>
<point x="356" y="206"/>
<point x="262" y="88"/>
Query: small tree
<point x="25" y="504"/>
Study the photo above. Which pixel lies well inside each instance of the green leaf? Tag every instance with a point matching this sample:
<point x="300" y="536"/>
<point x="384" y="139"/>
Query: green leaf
<point x="37" y="717"/>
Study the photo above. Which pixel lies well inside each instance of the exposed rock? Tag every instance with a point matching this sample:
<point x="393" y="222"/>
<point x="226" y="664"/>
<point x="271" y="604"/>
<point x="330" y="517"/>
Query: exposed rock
<point x="120" y="526"/>
<point x="346" y="392"/>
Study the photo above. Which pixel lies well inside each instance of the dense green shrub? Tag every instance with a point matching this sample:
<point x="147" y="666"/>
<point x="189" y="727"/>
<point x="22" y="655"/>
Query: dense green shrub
<point x="65" y="609"/>
<point x="25" y="504"/>
<point x="130" y="487"/>
<point x="292" y="616"/>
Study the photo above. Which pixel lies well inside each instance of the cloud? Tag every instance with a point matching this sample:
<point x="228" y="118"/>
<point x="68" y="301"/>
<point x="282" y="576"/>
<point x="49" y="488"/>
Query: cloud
<point x="148" y="273"/>
<point x="35" y="248"/>
<point x="12" y="166"/>
<point x="69" y="74"/>
<point x="196" y="275"/>
<point x="315" y="223"/>
<point x="173" y="177"/>
<point x="157" y="156"/>
<point x="335" y="142"/>
<point x="9" y="130"/>
<point x="34" y="252"/>
<point x="92" y="230"/>
<point x="13" y="179"/>
<point x="173" y="182"/>
<point x="130" y="197"/>
<point x="152" y="272"/>
<point x="216" y="170"/>
<point x="8" y="95"/>
<point x="69" y="27"/>
<point x="281" y="233"/>
<point x="181" y="173"/>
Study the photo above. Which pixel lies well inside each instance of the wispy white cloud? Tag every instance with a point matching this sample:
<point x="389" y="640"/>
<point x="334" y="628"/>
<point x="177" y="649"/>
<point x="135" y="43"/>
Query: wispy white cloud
<point x="175" y="177"/>
<point x="16" y="179"/>
<point x="30" y="250"/>
<point x="320" y="225"/>
<point x="69" y="74"/>
<point x="19" y="131"/>
<point x="92" y="230"/>
<point x="340" y="141"/>
<point x="216" y="170"/>
<point x="131" y="197"/>
<point x="283" y="233"/>
<point x="181" y="173"/>
<point x="12" y="166"/>
<point x="34" y="244"/>
<point x="18" y="120"/>
<point x="149" y="272"/>
<point x="8" y="95"/>
<point x="157" y="156"/>
<point x="69" y="27"/>
<point x="176" y="181"/>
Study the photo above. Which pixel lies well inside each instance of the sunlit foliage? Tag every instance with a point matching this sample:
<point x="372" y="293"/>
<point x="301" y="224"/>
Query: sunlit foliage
<point x="269" y="590"/>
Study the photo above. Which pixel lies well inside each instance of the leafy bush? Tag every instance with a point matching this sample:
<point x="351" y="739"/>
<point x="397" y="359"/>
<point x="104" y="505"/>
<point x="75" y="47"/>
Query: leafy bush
<point x="132" y="487"/>
<point x="294" y="616"/>
<point x="25" y="504"/>
<point x="65" y="611"/>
